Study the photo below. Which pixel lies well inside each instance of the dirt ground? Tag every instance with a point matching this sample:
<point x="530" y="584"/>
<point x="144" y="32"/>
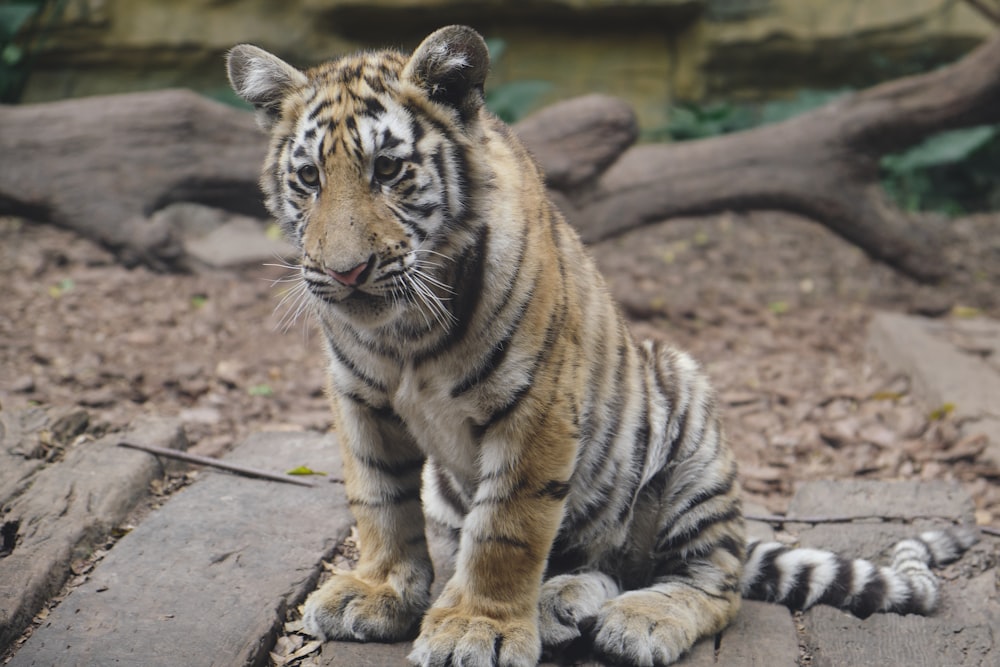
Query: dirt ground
<point x="775" y="306"/>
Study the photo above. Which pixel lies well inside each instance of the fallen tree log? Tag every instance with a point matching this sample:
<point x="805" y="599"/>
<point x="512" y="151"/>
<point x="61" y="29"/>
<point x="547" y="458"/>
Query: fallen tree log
<point x="103" y="165"/>
<point x="823" y="164"/>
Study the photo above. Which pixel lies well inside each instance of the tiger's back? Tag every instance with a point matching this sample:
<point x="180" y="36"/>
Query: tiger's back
<point x="474" y="350"/>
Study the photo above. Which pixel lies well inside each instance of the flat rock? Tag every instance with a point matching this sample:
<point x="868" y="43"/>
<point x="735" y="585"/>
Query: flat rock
<point x="208" y="578"/>
<point x="868" y="499"/>
<point x="62" y="511"/>
<point x="963" y="631"/>
<point x="944" y="368"/>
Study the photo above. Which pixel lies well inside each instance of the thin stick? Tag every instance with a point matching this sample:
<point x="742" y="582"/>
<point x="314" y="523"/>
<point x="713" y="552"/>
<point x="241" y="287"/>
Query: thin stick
<point x="776" y="518"/>
<point x="992" y="14"/>
<point x="216" y="463"/>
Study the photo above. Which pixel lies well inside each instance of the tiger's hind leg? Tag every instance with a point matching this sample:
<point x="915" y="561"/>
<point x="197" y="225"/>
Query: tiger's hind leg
<point x="655" y="626"/>
<point x="697" y="562"/>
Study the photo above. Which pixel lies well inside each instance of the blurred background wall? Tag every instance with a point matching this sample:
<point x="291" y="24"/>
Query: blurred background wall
<point x="654" y="53"/>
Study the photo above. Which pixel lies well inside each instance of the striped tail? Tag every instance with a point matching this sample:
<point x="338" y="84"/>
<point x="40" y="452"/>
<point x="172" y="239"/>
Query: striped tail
<point x="800" y="578"/>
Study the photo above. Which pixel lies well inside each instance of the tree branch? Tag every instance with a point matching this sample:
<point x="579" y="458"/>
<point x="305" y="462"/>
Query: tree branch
<point x="246" y="471"/>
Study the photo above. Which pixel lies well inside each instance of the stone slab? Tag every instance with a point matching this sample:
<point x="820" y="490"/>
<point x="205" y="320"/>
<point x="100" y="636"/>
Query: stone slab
<point x="64" y="510"/>
<point x="966" y="627"/>
<point x="870" y="499"/>
<point x="836" y="639"/>
<point x="941" y="372"/>
<point x="762" y="634"/>
<point x="207" y="579"/>
<point x="27" y="440"/>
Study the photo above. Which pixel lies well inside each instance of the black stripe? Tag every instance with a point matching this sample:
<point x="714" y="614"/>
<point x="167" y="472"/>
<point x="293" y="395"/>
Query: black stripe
<point x="499" y="350"/>
<point x="296" y="188"/>
<point x="724" y="486"/>
<point x="506" y="540"/>
<point x="871" y="598"/>
<point x="510" y="493"/>
<point x="479" y="430"/>
<point x="425" y="210"/>
<point x="325" y="104"/>
<point x="765" y="585"/>
<point x="796" y="597"/>
<point x="357" y="372"/>
<point x="840" y="588"/>
<point x="406" y="496"/>
<point x="555" y="489"/>
<point x="390" y="140"/>
<point x="683" y="537"/>
<point x="415" y="229"/>
<point x="393" y="469"/>
<point x="481" y="374"/>
<point x="564" y="558"/>
<point x="544" y="353"/>
<point x="373" y="108"/>
<point x="470" y="275"/>
<point x="449" y="493"/>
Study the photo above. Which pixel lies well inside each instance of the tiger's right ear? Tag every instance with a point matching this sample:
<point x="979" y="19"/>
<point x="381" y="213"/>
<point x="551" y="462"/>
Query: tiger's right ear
<point x="263" y="80"/>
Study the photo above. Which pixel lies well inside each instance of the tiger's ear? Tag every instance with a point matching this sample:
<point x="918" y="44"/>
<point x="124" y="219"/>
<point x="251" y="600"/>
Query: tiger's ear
<point x="263" y="80"/>
<point x="451" y="67"/>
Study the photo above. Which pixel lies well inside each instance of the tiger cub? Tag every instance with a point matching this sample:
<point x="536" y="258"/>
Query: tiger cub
<point x="485" y="385"/>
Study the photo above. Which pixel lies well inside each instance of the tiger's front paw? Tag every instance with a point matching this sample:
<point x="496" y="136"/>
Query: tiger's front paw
<point x="346" y="607"/>
<point x="569" y="604"/>
<point x="455" y="639"/>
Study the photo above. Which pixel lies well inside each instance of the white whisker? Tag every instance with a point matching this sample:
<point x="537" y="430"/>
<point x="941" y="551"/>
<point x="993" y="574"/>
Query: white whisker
<point x="294" y="301"/>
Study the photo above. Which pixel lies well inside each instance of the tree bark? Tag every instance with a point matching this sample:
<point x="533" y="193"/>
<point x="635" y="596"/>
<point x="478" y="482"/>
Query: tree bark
<point x="103" y="165"/>
<point x="823" y="164"/>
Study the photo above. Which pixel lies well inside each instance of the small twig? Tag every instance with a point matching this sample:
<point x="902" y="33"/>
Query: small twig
<point x="777" y="518"/>
<point x="990" y="13"/>
<point x="216" y="463"/>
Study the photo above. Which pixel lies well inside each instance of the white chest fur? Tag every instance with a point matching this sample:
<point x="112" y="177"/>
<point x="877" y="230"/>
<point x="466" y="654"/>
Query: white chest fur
<point x="440" y="423"/>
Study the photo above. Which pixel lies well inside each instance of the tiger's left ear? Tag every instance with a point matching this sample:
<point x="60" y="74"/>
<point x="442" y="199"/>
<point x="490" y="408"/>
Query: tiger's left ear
<point x="451" y="67"/>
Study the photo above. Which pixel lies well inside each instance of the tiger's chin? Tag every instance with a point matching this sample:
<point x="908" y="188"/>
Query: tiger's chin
<point x="362" y="309"/>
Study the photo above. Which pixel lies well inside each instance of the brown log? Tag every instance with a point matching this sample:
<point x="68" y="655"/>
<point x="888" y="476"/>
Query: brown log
<point x="823" y="164"/>
<point x="102" y="165"/>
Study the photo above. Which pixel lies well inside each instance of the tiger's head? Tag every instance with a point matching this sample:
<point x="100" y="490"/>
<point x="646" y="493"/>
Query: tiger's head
<point x="368" y="166"/>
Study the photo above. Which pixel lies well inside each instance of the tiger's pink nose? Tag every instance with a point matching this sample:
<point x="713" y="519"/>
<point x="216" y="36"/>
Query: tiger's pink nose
<point x="351" y="277"/>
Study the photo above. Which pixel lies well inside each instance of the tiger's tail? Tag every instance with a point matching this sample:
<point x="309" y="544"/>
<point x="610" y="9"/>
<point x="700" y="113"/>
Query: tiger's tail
<point x="800" y="578"/>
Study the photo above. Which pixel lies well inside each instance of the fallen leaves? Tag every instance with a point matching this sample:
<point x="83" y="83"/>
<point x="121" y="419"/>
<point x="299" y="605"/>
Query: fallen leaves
<point x="290" y="649"/>
<point x="304" y="470"/>
<point x="295" y="648"/>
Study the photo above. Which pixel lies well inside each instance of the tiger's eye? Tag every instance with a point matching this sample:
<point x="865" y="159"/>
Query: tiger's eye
<point x="387" y="168"/>
<point x="309" y="175"/>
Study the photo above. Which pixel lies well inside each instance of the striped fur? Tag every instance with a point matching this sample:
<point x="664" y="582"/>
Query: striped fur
<point x="474" y="351"/>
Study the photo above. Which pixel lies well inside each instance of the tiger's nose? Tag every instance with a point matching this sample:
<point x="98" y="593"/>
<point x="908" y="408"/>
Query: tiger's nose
<point x="352" y="277"/>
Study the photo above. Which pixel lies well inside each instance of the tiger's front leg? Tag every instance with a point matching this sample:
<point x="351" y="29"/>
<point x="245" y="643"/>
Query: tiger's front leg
<point x="487" y="614"/>
<point x="384" y="598"/>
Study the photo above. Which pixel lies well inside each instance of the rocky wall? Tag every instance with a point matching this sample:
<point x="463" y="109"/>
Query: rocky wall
<point x="651" y="52"/>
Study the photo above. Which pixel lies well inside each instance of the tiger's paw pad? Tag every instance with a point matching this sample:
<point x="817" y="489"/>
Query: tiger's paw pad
<point x="629" y="633"/>
<point x="346" y="607"/>
<point x="569" y="604"/>
<point x="452" y="639"/>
